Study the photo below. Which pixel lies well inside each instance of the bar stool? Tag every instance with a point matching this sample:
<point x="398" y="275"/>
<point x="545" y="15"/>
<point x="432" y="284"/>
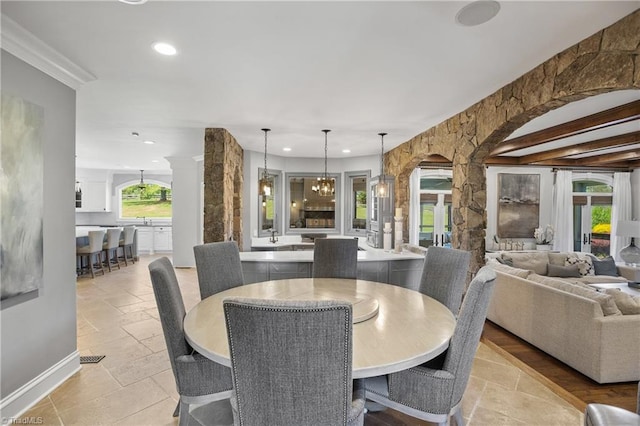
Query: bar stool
<point x="94" y="249"/>
<point x="110" y="248"/>
<point x="126" y="244"/>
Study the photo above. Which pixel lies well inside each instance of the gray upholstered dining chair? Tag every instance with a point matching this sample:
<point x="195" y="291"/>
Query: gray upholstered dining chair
<point x="433" y="391"/>
<point x="198" y="379"/>
<point x="126" y="245"/>
<point x="93" y="253"/>
<point x="444" y="276"/>
<point x="335" y="258"/>
<point x="608" y="415"/>
<point x="291" y="363"/>
<point x="110" y="247"/>
<point x="219" y="267"/>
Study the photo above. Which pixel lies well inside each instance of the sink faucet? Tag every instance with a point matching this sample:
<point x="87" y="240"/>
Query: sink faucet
<point x="144" y="219"/>
<point x="273" y="238"/>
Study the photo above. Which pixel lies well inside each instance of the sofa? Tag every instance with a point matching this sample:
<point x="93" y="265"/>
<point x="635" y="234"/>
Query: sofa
<point x="596" y="332"/>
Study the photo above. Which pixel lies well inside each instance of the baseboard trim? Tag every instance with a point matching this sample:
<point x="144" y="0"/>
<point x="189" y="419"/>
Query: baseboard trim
<point x="21" y="400"/>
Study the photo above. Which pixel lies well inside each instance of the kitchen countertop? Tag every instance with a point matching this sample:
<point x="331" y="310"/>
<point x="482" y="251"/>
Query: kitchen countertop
<point x="307" y="256"/>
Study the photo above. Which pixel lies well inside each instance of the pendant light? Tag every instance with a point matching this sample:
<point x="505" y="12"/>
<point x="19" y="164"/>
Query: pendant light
<point x="142" y="185"/>
<point x="383" y="186"/>
<point x="266" y="183"/>
<point x="326" y="185"/>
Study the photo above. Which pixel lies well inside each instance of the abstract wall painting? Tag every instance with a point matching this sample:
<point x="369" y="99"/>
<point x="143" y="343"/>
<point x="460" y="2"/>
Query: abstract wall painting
<point x="21" y="200"/>
<point x="518" y="205"/>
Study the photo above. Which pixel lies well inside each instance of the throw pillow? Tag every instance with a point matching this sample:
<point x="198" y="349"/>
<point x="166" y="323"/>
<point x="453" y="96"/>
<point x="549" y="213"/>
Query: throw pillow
<point x="627" y="304"/>
<point x="497" y="266"/>
<point x="584" y="263"/>
<point x="535" y="261"/>
<point x="564" y="271"/>
<point x="606" y="266"/>
<point x="504" y="261"/>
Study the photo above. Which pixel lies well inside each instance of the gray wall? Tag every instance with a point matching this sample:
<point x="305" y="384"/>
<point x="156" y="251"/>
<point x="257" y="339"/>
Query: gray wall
<point x="37" y="334"/>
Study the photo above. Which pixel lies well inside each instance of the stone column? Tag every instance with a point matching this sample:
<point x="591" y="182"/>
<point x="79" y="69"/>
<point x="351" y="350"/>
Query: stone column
<point x="223" y="181"/>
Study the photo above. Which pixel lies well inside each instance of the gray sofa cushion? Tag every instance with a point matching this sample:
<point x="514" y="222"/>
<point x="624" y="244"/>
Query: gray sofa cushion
<point x="563" y="271"/>
<point x="535" y="261"/>
<point x="606" y="266"/>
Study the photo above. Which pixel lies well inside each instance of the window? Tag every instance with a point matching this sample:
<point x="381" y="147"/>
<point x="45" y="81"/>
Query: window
<point x="435" y="209"/>
<point x="269" y="207"/>
<point x="309" y="211"/>
<point x="356" y="203"/>
<point x="152" y="201"/>
<point x="592" y="199"/>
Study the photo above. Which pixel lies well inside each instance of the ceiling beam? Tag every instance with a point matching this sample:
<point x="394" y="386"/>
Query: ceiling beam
<point x="593" y="146"/>
<point x="630" y="155"/>
<point x="618" y="115"/>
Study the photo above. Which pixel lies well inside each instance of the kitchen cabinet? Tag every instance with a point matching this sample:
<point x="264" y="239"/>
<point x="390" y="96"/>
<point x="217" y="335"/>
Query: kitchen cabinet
<point x="162" y="238"/>
<point x="94" y="197"/>
<point x="145" y="239"/>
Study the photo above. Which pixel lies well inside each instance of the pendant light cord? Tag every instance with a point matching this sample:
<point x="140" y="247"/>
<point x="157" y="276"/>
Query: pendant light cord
<point x="382" y="135"/>
<point x="265" y="174"/>
<point x="326" y="131"/>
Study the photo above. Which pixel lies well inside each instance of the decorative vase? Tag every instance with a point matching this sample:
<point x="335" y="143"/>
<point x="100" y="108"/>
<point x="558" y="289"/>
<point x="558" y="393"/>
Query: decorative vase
<point x="543" y="247"/>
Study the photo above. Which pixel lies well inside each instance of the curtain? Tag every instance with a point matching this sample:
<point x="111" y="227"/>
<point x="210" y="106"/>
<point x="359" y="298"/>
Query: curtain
<point x="563" y="211"/>
<point x="620" y="210"/>
<point x="414" y="206"/>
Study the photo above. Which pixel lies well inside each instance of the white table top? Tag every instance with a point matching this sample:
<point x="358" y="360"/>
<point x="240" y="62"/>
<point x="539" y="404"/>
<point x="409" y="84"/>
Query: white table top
<point x="408" y="330"/>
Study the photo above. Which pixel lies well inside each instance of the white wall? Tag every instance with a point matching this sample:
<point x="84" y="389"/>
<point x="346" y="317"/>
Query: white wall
<point x="38" y="337"/>
<point x="546" y="199"/>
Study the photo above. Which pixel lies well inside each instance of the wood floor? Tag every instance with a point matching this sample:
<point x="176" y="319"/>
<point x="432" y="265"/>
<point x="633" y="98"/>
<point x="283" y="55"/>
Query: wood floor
<point x="568" y="383"/>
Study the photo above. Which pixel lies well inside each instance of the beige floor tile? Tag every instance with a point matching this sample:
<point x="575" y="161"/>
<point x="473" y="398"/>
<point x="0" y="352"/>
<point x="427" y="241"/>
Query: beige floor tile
<point x="155" y="343"/>
<point x="504" y="375"/>
<point x="121" y="320"/>
<point x="115" y="406"/>
<point x="486" y="417"/>
<point x="167" y="382"/>
<point x="146" y="329"/>
<point x="100" y="337"/>
<point x="141" y="306"/>
<point x="527" y="408"/>
<point x="91" y="382"/>
<point x="120" y="351"/>
<point x="159" y="414"/>
<point x="43" y="413"/>
<point x="123" y="299"/>
<point x="484" y="352"/>
<point x="141" y="368"/>
<point x="84" y="326"/>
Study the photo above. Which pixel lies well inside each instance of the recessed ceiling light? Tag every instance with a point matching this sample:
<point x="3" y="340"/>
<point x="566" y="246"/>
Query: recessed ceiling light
<point x="164" y="48"/>
<point x="287" y="149"/>
<point x="135" y="134"/>
<point x="477" y="13"/>
<point x="133" y="2"/>
<point x="154" y="161"/>
<point x="149" y="142"/>
<point x="346" y="151"/>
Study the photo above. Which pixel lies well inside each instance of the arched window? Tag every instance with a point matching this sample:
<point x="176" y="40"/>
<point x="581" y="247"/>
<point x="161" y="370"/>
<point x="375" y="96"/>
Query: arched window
<point x="435" y="208"/>
<point x="152" y="201"/>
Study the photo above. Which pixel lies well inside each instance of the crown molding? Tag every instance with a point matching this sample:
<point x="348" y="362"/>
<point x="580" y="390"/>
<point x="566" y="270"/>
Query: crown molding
<point x="27" y="47"/>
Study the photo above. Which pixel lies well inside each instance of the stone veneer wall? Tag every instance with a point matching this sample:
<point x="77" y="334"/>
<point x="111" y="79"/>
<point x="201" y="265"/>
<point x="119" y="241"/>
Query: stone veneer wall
<point x="223" y="168"/>
<point x="607" y="61"/>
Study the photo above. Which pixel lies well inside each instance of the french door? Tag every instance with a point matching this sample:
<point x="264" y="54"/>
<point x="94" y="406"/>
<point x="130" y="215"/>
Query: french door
<point x="592" y="224"/>
<point x="435" y="219"/>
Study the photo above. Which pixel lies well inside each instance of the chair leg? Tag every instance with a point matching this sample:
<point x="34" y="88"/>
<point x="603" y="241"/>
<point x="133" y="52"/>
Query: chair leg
<point x="90" y="265"/>
<point x="458" y="416"/>
<point x="183" y="415"/>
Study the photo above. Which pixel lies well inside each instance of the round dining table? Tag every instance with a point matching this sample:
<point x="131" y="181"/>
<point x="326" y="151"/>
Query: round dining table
<point x="394" y="328"/>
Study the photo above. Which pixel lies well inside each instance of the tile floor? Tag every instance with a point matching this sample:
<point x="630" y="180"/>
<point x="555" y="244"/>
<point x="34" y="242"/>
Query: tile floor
<point x="134" y="385"/>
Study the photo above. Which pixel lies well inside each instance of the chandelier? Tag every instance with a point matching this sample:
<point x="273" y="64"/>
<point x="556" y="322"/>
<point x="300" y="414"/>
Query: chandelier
<point x="142" y="185"/>
<point x="383" y="186"/>
<point x="266" y="183"/>
<point x="326" y="186"/>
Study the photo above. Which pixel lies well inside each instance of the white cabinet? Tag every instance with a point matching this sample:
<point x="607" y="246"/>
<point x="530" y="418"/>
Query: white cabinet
<point x="145" y="240"/>
<point x="162" y="238"/>
<point x="94" y="197"/>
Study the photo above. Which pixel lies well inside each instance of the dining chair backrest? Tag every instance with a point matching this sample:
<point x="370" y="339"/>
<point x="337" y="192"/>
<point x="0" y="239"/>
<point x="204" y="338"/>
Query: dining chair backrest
<point x="218" y="266"/>
<point x="444" y="276"/>
<point x="96" y="239"/>
<point x="171" y="309"/>
<point x="113" y="237"/>
<point x="335" y="258"/>
<point x="129" y="232"/>
<point x="290" y="361"/>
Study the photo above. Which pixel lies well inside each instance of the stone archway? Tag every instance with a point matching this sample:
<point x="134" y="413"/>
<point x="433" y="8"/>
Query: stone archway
<point x="607" y="61"/>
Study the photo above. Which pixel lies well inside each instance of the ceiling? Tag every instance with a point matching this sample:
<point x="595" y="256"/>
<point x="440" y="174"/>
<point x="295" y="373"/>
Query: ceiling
<point x="357" y="68"/>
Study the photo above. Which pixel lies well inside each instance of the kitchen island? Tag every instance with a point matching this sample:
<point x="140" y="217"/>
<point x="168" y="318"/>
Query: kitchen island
<point x="403" y="269"/>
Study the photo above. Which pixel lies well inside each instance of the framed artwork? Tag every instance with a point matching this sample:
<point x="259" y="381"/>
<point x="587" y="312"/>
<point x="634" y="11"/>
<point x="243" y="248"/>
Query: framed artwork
<point x="518" y="205"/>
<point x="21" y="198"/>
